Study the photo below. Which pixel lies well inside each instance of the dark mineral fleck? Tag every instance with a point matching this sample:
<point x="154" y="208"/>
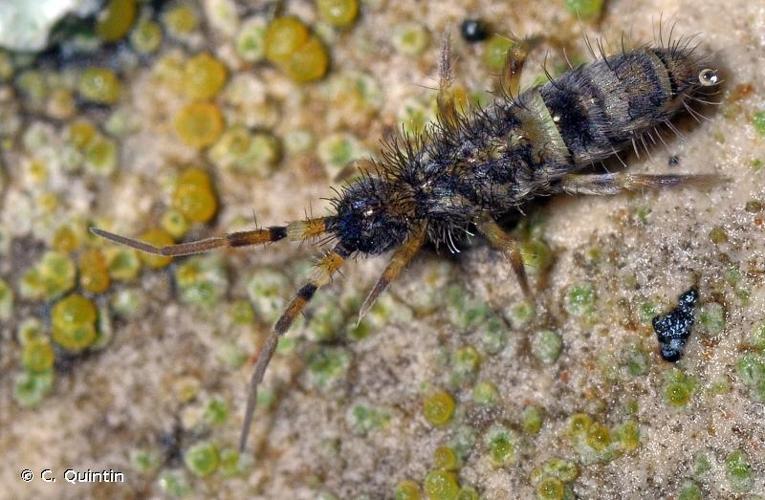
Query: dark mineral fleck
<point x="674" y="328"/>
<point x="474" y="30"/>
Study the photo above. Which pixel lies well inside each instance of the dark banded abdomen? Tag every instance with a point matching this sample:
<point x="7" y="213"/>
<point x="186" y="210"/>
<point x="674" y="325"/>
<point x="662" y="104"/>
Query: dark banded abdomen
<point x="600" y="107"/>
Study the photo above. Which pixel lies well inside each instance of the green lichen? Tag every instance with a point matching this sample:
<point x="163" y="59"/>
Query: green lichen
<point x="256" y="154"/>
<point x="216" y="412"/>
<point x="559" y="468"/>
<point x="465" y="364"/>
<point x="37" y="356"/>
<point x="410" y="38"/>
<point x="6" y="300"/>
<point x="756" y="339"/>
<point x="74" y="323"/>
<point x="647" y="311"/>
<point x="521" y="313"/>
<point x="327" y="365"/>
<point x="204" y="76"/>
<point x="202" y="459"/>
<point x="546" y="346"/>
<point x="532" y="419"/>
<point x="579" y="424"/>
<point x="586" y="10"/>
<point x="701" y="464"/>
<point x="51" y="277"/>
<point x="407" y="490"/>
<point x="463" y="440"/>
<point x="689" y="491"/>
<point x="441" y="485"/>
<point x="101" y="156"/>
<point x="465" y="312"/>
<point x="338" y="13"/>
<point x="413" y="116"/>
<point x="550" y="488"/>
<point x="492" y="334"/>
<point x="233" y="463"/>
<point x="336" y="151"/>
<point x="711" y="319"/>
<point x="355" y="96"/>
<point x="299" y="54"/>
<point x="438" y="408"/>
<point x="678" y="388"/>
<point x="251" y="40"/>
<point x="445" y="458"/>
<point x="501" y="443"/>
<point x="468" y="493"/>
<point x="94" y="272"/>
<point x="758" y="120"/>
<point x="128" y="302"/>
<point x="718" y="235"/>
<point x="598" y="437"/>
<point x="174" y="223"/>
<point x="29" y="330"/>
<point x="194" y="196"/>
<point x="123" y="263"/>
<point x="100" y="86"/>
<point x="751" y="371"/>
<point x="181" y="20"/>
<point x="267" y="289"/>
<point x="635" y="361"/>
<point x="115" y="20"/>
<point x="30" y="388"/>
<point x="241" y="312"/>
<point x="485" y="393"/>
<point x="199" y="124"/>
<point x="174" y="483"/>
<point x="145" y="461"/>
<point x="146" y="37"/>
<point x="580" y="299"/>
<point x="628" y="436"/>
<point x="201" y="280"/>
<point x="365" y="418"/>
<point x="739" y="471"/>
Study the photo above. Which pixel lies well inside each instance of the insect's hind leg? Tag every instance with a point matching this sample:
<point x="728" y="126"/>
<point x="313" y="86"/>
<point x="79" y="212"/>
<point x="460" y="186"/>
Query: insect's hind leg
<point x="615" y="183"/>
<point x="505" y="243"/>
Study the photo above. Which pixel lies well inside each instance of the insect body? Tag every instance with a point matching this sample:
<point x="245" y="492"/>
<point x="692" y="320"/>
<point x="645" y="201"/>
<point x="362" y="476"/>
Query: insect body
<point x="468" y="170"/>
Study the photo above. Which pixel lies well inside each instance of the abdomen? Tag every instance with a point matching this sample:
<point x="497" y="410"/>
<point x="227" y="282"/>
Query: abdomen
<point x="601" y="107"/>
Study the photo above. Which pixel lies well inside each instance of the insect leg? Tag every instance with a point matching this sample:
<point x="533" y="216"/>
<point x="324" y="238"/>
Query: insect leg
<point x="238" y="239"/>
<point x="322" y="275"/>
<point x="615" y="183"/>
<point x="400" y="259"/>
<point x="510" y="79"/>
<point x="502" y="241"/>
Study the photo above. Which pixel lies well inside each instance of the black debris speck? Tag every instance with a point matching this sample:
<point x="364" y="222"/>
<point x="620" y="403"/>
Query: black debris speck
<point x="674" y="161"/>
<point x="474" y="30"/>
<point x="674" y="328"/>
